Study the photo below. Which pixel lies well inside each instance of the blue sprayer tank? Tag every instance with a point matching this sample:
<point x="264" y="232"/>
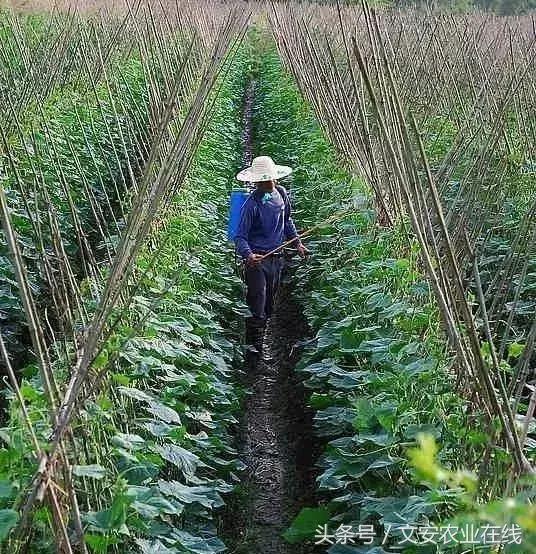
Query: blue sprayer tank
<point x="238" y="197"/>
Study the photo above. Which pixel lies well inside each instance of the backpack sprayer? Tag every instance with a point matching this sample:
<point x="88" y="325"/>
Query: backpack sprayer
<point x="237" y="200"/>
<point x="264" y="168"/>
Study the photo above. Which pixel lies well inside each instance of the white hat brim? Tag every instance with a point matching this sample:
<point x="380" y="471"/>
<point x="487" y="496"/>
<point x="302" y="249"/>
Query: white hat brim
<point x="250" y="176"/>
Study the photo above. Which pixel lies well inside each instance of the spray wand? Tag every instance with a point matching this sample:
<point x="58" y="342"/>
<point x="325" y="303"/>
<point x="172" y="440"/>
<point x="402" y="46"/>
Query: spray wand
<point x="306" y="233"/>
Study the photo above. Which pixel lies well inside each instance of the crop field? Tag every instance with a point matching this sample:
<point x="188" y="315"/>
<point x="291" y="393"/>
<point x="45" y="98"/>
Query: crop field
<point x="393" y="407"/>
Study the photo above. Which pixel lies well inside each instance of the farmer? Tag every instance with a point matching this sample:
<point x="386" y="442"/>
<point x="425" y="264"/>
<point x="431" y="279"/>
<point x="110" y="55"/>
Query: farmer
<point x="265" y="224"/>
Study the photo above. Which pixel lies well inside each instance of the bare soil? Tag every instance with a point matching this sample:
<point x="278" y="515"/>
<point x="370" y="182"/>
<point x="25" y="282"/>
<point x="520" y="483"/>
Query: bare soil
<point x="276" y="444"/>
<point x="275" y="433"/>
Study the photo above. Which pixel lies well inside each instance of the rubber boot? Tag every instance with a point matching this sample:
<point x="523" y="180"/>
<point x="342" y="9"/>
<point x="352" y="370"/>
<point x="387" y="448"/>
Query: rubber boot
<point x="254" y="334"/>
<point x="258" y="339"/>
<point x="250" y="333"/>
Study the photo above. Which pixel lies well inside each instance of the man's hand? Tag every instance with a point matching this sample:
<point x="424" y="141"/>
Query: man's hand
<point x="253" y="259"/>
<point x="303" y="251"/>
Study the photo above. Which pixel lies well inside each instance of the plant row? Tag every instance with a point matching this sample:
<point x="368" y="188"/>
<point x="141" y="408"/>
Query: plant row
<point x="173" y="456"/>
<point x="66" y="169"/>
<point x="440" y="134"/>
<point x="378" y="375"/>
<point x="154" y="450"/>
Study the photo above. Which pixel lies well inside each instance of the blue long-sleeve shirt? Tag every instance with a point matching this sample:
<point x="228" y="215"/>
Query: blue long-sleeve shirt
<point x="264" y="223"/>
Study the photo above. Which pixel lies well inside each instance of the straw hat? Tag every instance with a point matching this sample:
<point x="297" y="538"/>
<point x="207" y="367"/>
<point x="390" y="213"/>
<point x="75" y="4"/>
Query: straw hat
<point x="263" y="168"/>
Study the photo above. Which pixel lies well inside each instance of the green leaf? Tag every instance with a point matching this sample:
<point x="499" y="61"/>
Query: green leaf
<point x="163" y="412"/>
<point x="157" y="428"/>
<point x="30" y="370"/>
<point x="206" y="496"/>
<point x="485" y="349"/>
<point x="199" y="545"/>
<point x="320" y="401"/>
<point x="365" y="416"/>
<point x="386" y="415"/>
<point x="413" y="513"/>
<point x="94" y="471"/>
<point x="29" y="393"/>
<point x="136" y="472"/>
<point x="121" y="379"/>
<point x="402" y="263"/>
<point x="185" y="460"/>
<point x="350" y="340"/>
<point x="153" y="547"/>
<point x="419" y="366"/>
<point x="515" y="349"/>
<point x="99" y="543"/>
<point x="323" y="368"/>
<point x="135" y="393"/>
<point x="350" y="379"/>
<point x="334" y="420"/>
<point x="149" y="503"/>
<point x="113" y="518"/>
<point x="8" y="520"/>
<point x="128" y="441"/>
<point x="383" y="507"/>
<point x="6" y="489"/>
<point x="101" y="360"/>
<point x="327" y="336"/>
<point x="104" y="403"/>
<point x="305" y="524"/>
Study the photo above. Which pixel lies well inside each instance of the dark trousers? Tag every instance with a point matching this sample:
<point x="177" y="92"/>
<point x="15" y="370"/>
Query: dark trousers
<point x="262" y="281"/>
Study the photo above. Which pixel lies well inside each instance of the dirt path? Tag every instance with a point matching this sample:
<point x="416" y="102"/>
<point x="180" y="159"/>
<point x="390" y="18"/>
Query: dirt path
<point x="276" y="428"/>
<point x="277" y="447"/>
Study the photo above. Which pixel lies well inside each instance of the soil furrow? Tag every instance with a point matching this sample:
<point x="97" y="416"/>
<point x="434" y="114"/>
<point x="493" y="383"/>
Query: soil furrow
<point x="276" y="429"/>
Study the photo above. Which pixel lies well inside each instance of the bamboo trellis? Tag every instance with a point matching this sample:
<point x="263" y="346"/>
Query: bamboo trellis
<point x="182" y="51"/>
<point x="379" y="84"/>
